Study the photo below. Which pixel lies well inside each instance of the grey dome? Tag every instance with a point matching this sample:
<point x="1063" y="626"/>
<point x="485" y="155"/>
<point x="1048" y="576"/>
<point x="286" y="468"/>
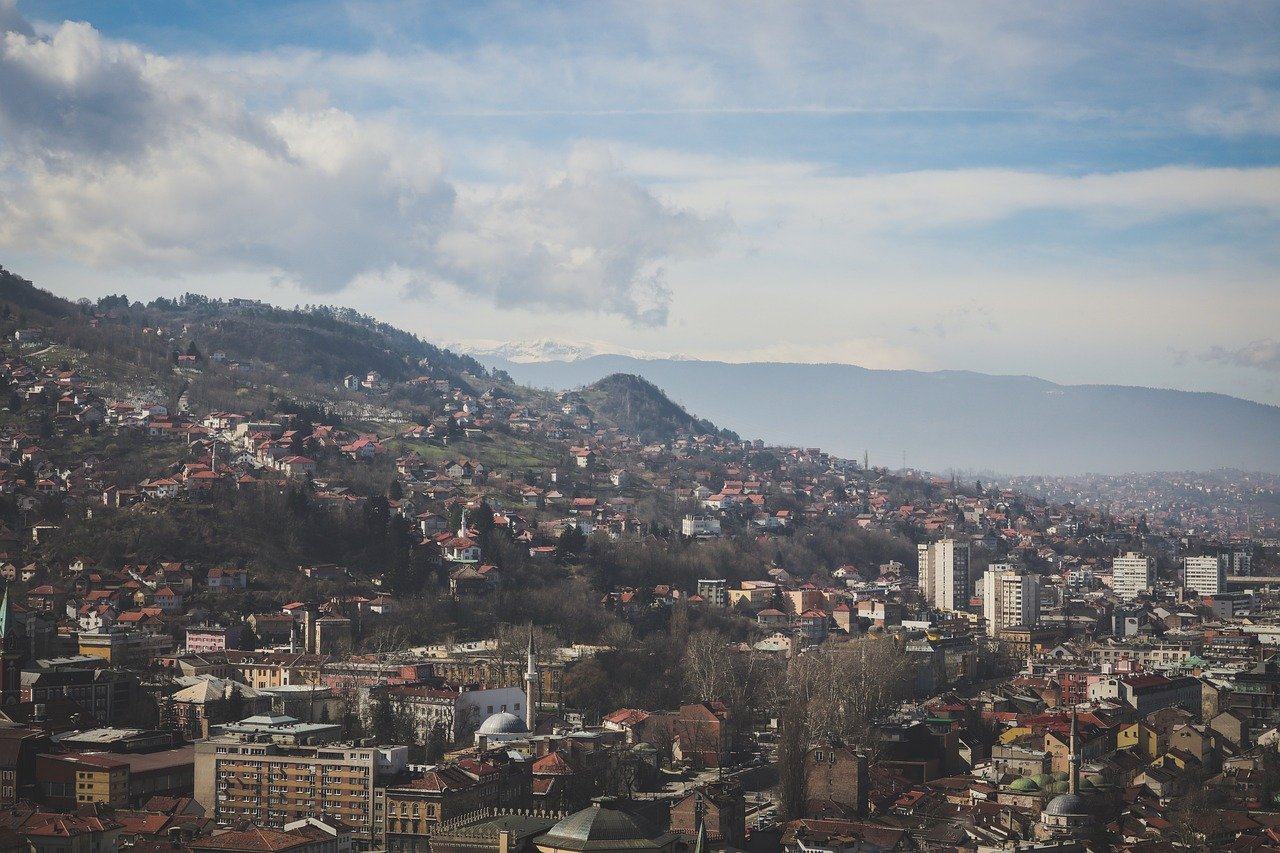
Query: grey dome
<point x="503" y="723"/>
<point x="1067" y="805"/>
<point x="601" y="826"/>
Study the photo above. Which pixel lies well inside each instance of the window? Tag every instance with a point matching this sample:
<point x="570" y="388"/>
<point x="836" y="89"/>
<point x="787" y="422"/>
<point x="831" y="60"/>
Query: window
<point x="818" y="755"/>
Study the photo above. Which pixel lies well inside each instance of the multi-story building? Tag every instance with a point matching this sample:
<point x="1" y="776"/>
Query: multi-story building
<point x="459" y="711"/>
<point x="700" y="526"/>
<point x="1149" y="655"/>
<point x="1132" y="575"/>
<point x="1237" y="561"/>
<point x="202" y="639"/>
<point x="944" y="574"/>
<point x="415" y="808"/>
<point x="108" y="694"/>
<point x="67" y="781"/>
<point x="1204" y="575"/>
<point x="1010" y="598"/>
<point x="245" y="777"/>
<point x="1022" y="641"/>
<point x="501" y="672"/>
<point x="720" y="806"/>
<point x="714" y="591"/>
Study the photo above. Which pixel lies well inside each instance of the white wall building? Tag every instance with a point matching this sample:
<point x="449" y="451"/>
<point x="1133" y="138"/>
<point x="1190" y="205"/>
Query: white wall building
<point x="944" y="574"/>
<point x="700" y="525"/>
<point x="1132" y="574"/>
<point x="1010" y="597"/>
<point x="1205" y="575"/>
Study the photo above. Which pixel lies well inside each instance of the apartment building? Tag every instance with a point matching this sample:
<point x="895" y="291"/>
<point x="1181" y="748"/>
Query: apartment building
<point x="1132" y="575"/>
<point x="944" y="573"/>
<point x="271" y="779"/>
<point x="714" y="591"/>
<point x="1205" y="575"/>
<point x="1010" y="597"/>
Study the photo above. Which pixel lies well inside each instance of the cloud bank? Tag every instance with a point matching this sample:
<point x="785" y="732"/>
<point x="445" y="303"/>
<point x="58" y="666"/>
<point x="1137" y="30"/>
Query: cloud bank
<point x="126" y="159"/>
<point x="1262" y="354"/>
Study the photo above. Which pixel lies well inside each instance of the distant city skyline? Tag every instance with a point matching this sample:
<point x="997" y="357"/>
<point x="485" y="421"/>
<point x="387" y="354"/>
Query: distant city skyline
<point x="1085" y="192"/>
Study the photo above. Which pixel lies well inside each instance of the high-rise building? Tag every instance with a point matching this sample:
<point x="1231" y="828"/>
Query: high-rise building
<point x="1010" y="598"/>
<point x="1132" y="574"/>
<point x="1205" y="575"/>
<point x="1238" y="561"/>
<point x="944" y="574"/>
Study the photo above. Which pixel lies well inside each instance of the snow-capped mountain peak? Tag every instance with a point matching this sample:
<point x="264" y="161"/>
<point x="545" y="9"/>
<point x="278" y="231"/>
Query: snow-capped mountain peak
<point x="546" y="349"/>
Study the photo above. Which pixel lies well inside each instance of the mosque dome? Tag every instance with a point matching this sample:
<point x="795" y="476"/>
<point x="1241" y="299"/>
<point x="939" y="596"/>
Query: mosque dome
<point x="1067" y="805"/>
<point x="503" y="723"/>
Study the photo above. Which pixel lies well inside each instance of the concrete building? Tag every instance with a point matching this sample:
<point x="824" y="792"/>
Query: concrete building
<point x="714" y="591"/>
<point x="700" y="526"/>
<point x="944" y="574"/>
<point x="1205" y="575"/>
<point x="1010" y="597"/>
<point x="1132" y="575"/>
<point x="246" y="777"/>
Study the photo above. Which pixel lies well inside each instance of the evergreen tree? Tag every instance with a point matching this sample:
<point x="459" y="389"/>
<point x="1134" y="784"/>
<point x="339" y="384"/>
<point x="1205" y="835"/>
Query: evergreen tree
<point x="235" y="703"/>
<point x="384" y="725"/>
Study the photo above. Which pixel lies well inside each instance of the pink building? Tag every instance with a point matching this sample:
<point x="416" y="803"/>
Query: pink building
<point x="213" y="638"/>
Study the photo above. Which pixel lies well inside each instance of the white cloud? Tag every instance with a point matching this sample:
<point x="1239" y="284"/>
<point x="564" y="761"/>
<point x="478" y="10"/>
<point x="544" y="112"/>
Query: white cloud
<point x="121" y="158"/>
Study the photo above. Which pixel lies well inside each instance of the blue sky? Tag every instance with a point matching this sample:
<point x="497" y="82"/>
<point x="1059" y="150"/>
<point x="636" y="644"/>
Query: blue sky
<point x="1086" y="192"/>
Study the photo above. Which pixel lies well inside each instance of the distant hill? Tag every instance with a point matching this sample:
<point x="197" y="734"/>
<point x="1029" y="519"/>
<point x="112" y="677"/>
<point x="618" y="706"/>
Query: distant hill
<point x="952" y="419"/>
<point x="30" y="303"/>
<point x="639" y="408"/>
<point x="321" y="344"/>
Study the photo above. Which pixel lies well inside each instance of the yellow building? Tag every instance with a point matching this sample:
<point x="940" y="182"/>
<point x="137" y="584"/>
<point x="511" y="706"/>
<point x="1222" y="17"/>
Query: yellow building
<point x="76" y="778"/>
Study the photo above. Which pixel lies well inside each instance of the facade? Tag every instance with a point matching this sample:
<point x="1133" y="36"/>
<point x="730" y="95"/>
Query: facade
<point x="499" y="672"/>
<point x="836" y="783"/>
<point x="944" y="573"/>
<point x="415" y="809"/>
<point x="1205" y="575"/>
<point x="241" y="778"/>
<point x="460" y="712"/>
<point x="67" y="781"/>
<point x="700" y="526"/>
<point x="1132" y="575"/>
<point x="721" y="807"/>
<point x="1009" y="598"/>
<point x="714" y="591"/>
<point x="202" y="639"/>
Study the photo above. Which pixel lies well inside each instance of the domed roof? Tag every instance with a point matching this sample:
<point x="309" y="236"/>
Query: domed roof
<point x="1061" y="776"/>
<point x="503" y="723"/>
<point x="602" y="826"/>
<point x="1042" y="779"/>
<point x="1066" y="805"/>
<point x="1059" y="788"/>
<point x="1023" y="784"/>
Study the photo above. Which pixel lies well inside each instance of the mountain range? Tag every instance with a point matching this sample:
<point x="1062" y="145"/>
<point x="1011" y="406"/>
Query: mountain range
<point x="949" y="420"/>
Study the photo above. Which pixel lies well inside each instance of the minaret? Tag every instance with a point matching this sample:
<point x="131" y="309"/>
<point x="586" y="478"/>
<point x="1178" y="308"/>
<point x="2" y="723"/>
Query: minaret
<point x="531" y="686"/>
<point x="12" y="652"/>
<point x="1073" y="781"/>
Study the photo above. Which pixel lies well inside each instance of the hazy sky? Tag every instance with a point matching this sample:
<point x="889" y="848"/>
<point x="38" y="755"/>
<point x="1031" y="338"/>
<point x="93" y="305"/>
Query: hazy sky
<point x="1087" y="192"/>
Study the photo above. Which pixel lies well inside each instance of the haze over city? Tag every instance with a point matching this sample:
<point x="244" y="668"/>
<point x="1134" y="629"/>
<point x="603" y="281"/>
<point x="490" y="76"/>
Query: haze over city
<point x="1084" y="192"/>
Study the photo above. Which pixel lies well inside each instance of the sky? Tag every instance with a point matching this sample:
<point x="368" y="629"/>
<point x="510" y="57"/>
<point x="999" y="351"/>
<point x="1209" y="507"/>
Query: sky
<point x="1083" y="191"/>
